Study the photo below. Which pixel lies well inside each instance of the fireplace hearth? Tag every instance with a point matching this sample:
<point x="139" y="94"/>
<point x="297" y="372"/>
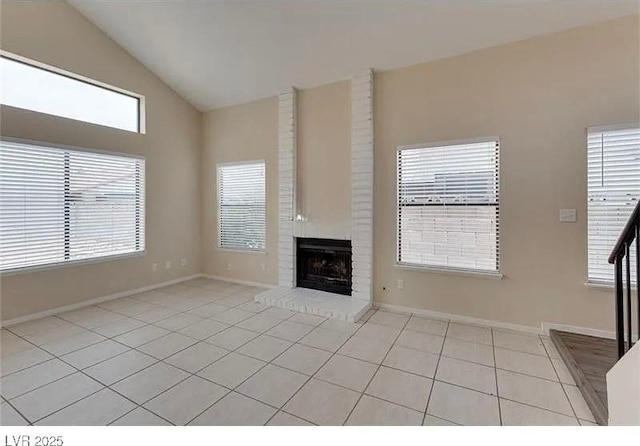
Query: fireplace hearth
<point x="324" y="264"/>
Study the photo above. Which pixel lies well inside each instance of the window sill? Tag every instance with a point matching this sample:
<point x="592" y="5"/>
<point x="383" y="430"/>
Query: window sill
<point x="606" y="286"/>
<point x="243" y="251"/>
<point x="456" y="272"/>
<point x="53" y="266"/>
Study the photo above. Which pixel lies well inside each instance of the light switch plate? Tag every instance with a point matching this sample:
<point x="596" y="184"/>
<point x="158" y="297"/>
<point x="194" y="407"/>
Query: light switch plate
<point x="568" y="215"/>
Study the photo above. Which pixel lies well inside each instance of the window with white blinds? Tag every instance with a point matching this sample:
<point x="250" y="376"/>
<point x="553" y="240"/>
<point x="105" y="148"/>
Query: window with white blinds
<point x="613" y="188"/>
<point x="241" y="206"/>
<point x="448" y="206"/>
<point x="59" y="205"/>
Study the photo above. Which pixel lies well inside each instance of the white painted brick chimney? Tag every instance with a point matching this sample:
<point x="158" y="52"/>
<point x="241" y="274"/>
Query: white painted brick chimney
<point x="286" y="187"/>
<point x="313" y="301"/>
<point x="362" y="184"/>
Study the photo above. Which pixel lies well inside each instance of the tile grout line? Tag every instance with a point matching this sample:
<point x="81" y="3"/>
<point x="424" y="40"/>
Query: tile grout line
<point x="564" y="391"/>
<point x="353" y="334"/>
<point x="111" y="423"/>
<point x="378" y="366"/>
<point x="555" y="412"/>
<point x="186" y="312"/>
<point x="113" y="338"/>
<point x="198" y="341"/>
<point x="247" y="378"/>
<point x="109" y="386"/>
<point x="409" y="372"/>
<point x="536" y="377"/>
<point x="435" y="373"/>
<point x="495" y="374"/>
<point x="259" y="334"/>
<point x="93" y="329"/>
<point x="310" y="377"/>
<point x="105" y="386"/>
<point x="6" y="401"/>
<point x="213" y="362"/>
<point x="313" y="375"/>
<point x="275" y="365"/>
<point x="150" y="365"/>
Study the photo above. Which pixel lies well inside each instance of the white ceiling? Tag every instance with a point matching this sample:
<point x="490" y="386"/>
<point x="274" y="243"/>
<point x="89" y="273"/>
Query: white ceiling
<point x="223" y="52"/>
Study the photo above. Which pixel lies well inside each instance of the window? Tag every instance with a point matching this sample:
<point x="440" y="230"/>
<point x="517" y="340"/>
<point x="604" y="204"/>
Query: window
<point x="241" y="206"/>
<point x="37" y="87"/>
<point x="448" y="206"/>
<point x="613" y="188"/>
<point x="59" y="205"/>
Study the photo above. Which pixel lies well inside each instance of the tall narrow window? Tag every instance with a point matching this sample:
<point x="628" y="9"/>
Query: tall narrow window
<point x="241" y="206"/>
<point x="41" y="88"/>
<point x="448" y="206"/>
<point x="61" y="205"/>
<point x="613" y="189"/>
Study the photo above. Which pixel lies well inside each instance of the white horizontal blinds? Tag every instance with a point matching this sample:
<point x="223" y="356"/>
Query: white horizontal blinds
<point x="60" y="205"/>
<point x="613" y="159"/>
<point x="241" y="210"/>
<point x="32" y="201"/>
<point x="106" y="205"/>
<point x="448" y="206"/>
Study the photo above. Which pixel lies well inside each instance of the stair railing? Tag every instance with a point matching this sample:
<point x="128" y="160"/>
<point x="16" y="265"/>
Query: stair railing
<point x="621" y="259"/>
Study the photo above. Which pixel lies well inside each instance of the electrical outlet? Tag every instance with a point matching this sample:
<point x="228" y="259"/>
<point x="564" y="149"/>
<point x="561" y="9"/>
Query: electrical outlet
<point x="183" y="262"/>
<point x="263" y="267"/>
<point x="154" y="266"/>
<point x="400" y="284"/>
<point x="568" y="215"/>
<point x="228" y="266"/>
<point x="167" y="264"/>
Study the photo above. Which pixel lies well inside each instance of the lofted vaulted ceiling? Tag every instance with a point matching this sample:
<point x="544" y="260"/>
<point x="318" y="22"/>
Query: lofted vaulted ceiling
<point x="222" y="52"/>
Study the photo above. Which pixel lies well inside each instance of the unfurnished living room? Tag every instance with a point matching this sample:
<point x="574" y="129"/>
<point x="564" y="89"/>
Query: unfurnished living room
<point x="331" y="213"/>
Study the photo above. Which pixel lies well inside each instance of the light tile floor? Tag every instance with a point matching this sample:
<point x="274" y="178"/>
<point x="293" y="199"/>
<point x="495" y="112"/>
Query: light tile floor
<point x="203" y="353"/>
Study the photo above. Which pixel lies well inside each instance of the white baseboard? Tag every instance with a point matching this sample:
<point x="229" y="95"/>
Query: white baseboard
<point x="238" y="281"/>
<point x="458" y="318"/>
<point x="94" y="301"/>
<point x="546" y="326"/>
<point x="544" y="330"/>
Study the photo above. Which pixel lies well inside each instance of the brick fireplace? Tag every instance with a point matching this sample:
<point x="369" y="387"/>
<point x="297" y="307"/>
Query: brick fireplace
<point x="324" y="299"/>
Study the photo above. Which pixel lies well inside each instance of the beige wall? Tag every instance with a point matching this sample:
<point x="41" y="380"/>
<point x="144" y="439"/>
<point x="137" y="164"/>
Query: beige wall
<point x="324" y="161"/>
<point x="249" y="132"/>
<point x="55" y="34"/>
<point x="538" y="96"/>
<point x="240" y="133"/>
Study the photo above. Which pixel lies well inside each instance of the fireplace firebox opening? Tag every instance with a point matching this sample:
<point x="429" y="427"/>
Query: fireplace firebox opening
<point x="324" y="264"/>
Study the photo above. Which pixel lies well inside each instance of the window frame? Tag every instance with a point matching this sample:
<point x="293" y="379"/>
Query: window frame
<point x="79" y="262"/>
<point x="588" y="282"/>
<point x="494" y="274"/>
<point x="141" y="115"/>
<point x="219" y="207"/>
